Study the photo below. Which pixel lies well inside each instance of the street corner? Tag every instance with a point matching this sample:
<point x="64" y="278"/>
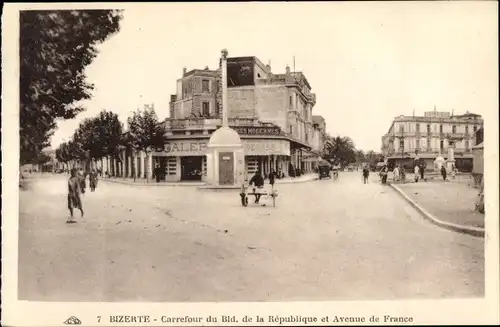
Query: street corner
<point x="448" y="209"/>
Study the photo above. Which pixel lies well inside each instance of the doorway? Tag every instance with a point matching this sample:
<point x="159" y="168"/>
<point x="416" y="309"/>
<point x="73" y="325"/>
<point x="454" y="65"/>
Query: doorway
<point x="191" y="168"/>
<point x="226" y="168"/>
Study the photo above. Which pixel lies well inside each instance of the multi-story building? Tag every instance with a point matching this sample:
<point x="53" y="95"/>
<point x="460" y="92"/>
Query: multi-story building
<point x="427" y="137"/>
<point x="272" y="113"/>
<point x="320" y="124"/>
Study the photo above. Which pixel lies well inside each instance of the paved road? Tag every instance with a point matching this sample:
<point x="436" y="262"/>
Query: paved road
<point x="325" y="240"/>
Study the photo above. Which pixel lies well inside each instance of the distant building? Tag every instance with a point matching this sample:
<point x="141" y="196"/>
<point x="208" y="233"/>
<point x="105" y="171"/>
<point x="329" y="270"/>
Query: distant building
<point x="320" y="124"/>
<point x="426" y="137"/>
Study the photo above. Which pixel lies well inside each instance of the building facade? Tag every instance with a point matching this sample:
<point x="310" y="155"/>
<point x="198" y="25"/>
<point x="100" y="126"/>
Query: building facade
<point x="429" y="136"/>
<point x="478" y="155"/>
<point x="272" y="113"/>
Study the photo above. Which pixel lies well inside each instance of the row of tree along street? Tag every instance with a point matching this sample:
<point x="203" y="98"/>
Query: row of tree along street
<point x="103" y="136"/>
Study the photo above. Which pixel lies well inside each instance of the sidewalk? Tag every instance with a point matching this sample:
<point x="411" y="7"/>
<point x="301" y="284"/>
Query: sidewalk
<point x="151" y="182"/>
<point x="301" y="179"/>
<point x="142" y="182"/>
<point x="449" y="205"/>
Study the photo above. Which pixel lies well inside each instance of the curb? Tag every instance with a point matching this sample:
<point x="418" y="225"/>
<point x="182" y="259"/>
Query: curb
<point x="152" y="183"/>
<point x="199" y="185"/>
<point x="297" y="181"/>
<point x="474" y="231"/>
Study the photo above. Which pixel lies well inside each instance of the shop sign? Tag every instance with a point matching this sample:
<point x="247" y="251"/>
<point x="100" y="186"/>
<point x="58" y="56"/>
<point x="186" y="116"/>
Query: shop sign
<point x="261" y="131"/>
<point x="185" y="148"/>
<point x="266" y="147"/>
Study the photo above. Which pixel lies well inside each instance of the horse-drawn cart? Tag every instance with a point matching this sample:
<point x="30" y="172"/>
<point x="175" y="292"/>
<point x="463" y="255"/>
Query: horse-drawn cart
<point x="258" y="193"/>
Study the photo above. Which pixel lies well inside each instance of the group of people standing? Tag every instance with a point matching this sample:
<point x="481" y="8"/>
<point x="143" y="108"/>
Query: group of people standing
<point x="76" y="188"/>
<point x="365" y="173"/>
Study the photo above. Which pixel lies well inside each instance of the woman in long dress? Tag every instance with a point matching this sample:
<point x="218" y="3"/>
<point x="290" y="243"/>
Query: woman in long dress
<point x="396" y="173"/>
<point x="74" y="191"/>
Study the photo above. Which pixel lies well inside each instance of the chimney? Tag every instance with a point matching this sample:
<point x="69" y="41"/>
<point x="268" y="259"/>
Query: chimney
<point x="184" y="71"/>
<point x="287" y="70"/>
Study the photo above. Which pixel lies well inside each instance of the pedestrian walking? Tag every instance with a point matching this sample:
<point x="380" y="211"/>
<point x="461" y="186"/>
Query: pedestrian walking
<point x="157" y="173"/>
<point x="93" y="178"/>
<point x="272" y="177"/>
<point x="443" y="172"/>
<point x="82" y="180"/>
<point x="417" y="173"/>
<point x="74" y="191"/>
<point x="383" y="174"/>
<point x="396" y="173"/>
<point x="422" y="169"/>
<point x="365" y="174"/>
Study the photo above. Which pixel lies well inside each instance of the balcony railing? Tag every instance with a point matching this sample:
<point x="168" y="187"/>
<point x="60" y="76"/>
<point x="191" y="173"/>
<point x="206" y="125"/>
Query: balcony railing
<point x="444" y="151"/>
<point x="210" y="123"/>
<point x="443" y="135"/>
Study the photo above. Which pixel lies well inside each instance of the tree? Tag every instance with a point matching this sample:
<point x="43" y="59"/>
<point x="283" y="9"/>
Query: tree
<point x="360" y="156"/>
<point x="110" y="133"/>
<point x="145" y="132"/>
<point x="55" y="48"/>
<point x="341" y="149"/>
<point x="62" y="153"/>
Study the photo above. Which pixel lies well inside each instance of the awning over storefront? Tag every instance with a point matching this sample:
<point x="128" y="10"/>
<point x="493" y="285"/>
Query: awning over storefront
<point x="312" y="159"/>
<point x="252" y="147"/>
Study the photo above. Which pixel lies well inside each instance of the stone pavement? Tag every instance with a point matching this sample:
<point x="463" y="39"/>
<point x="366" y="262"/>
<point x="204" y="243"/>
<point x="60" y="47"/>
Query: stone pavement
<point x="447" y="201"/>
<point x="325" y="240"/>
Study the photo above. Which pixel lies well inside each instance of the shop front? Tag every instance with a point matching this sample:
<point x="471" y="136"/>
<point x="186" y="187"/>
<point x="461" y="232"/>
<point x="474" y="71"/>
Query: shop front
<point x="266" y="155"/>
<point x="182" y="160"/>
<point x="191" y="168"/>
<point x="185" y="160"/>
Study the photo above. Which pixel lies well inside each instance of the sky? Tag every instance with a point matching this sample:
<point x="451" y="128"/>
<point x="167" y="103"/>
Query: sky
<point x="367" y="62"/>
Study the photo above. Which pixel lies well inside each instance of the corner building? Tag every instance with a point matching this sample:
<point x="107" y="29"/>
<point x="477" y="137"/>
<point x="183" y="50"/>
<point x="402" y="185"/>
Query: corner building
<point x="272" y="113"/>
<point x="431" y="136"/>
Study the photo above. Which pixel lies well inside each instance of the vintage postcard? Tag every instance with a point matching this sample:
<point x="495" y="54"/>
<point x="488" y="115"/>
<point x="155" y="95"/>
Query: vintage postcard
<point x="284" y="163"/>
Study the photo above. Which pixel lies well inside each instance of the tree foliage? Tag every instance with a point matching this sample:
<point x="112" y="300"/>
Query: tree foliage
<point x="55" y="48"/>
<point x="95" y="138"/>
<point x="42" y="158"/>
<point x="145" y="130"/>
<point x="341" y="149"/>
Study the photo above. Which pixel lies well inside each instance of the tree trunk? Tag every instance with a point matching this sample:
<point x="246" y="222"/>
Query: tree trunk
<point x="134" y="162"/>
<point x="148" y="153"/>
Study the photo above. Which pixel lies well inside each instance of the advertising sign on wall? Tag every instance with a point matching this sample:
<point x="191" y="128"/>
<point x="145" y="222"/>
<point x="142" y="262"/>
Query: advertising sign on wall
<point x="275" y="131"/>
<point x="266" y="147"/>
<point x="183" y="148"/>
<point x="251" y="148"/>
<point x="240" y="71"/>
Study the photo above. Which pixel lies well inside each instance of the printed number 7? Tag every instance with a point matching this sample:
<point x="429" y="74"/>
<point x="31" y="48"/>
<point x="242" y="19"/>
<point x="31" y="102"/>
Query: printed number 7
<point x="98" y="318"/>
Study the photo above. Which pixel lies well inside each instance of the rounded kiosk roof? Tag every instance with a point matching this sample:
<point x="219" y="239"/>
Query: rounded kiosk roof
<point x="224" y="136"/>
